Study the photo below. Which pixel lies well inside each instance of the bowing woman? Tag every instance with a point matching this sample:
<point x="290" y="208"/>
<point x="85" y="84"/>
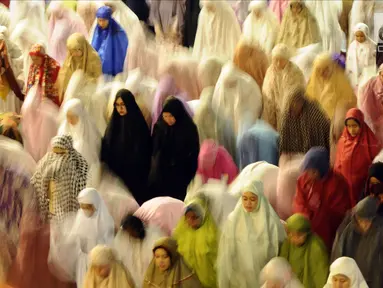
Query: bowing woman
<point x="110" y="41"/>
<point x="175" y="151"/>
<point x="126" y="146"/>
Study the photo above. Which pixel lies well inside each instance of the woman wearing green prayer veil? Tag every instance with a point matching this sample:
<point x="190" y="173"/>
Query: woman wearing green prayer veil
<point x="197" y="238"/>
<point x="306" y="252"/>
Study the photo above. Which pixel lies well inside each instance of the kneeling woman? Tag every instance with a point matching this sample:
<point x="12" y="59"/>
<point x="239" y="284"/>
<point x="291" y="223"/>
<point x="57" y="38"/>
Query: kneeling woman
<point x="168" y="268"/>
<point x="175" y="151"/>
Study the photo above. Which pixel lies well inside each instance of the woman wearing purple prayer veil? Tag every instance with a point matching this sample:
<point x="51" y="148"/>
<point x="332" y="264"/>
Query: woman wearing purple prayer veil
<point x="175" y="151"/>
<point x="110" y="41"/>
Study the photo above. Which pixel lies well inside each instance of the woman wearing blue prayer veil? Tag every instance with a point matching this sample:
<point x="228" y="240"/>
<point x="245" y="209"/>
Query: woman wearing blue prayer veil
<point x="110" y="41"/>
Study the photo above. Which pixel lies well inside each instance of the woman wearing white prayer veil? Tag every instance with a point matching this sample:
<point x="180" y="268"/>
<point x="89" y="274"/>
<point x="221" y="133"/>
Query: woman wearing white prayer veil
<point x="238" y="98"/>
<point x="86" y="137"/>
<point x="345" y="270"/>
<point x="92" y="226"/>
<point x="261" y="26"/>
<point x="361" y="54"/>
<point x="250" y="239"/>
<point x="327" y="14"/>
<point x="135" y="242"/>
<point x="278" y="273"/>
<point x="218" y="30"/>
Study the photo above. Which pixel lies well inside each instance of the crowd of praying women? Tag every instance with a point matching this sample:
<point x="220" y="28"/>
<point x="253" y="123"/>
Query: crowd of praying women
<point x="191" y="144"/>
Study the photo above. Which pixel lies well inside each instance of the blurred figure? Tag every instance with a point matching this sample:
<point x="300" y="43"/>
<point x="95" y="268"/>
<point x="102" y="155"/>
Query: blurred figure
<point x="106" y="271"/>
<point x="362" y="228"/>
<point x="278" y="273"/>
<point x="370" y="102"/>
<point x="217" y="18"/>
<point x="44" y="72"/>
<point x="87" y="11"/>
<point x="261" y="26"/>
<point x="214" y="162"/>
<point x="322" y="195"/>
<point x="379" y="48"/>
<point x="197" y="238"/>
<point x="80" y="56"/>
<point x="191" y="22"/>
<point x="299" y="27"/>
<point x="167" y="259"/>
<point x="279" y="7"/>
<point x="63" y="22"/>
<point x="282" y="76"/>
<point x="305" y="252"/>
<point x="134" y="242"/>
<point x="163" y="212"/>
<point x="374" y="187"/>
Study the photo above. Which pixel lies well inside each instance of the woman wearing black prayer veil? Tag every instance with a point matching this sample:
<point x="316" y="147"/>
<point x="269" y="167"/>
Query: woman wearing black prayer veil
<point x="126" y="146"/>
<point x="175" y="151"/>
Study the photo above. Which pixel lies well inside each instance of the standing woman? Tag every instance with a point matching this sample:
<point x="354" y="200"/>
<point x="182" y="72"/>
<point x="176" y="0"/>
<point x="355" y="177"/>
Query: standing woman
<point x="356" y="149"/>
<point x="175" y="151"/>
<point x="44" y="72"/>
<point x="250" y="239"/>
<point x="110" y="41"/>
<point x="361" y="54"/>
<point x="126" y="146"/>
<point x="80" y="56"/>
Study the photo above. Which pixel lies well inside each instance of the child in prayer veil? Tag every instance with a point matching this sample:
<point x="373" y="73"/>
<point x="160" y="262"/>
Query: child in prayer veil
<point x="168" y="268"/>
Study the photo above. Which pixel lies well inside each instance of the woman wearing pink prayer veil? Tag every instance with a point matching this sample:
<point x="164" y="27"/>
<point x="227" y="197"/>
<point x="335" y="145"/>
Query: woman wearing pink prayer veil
<point x="38" y="123"/>
<point x="371" y="103"/>
<point x="163" y="212"/>
<point x="278" y="7"/>
<point x="167" y="87"/>
<point x="214" y="162"/>
<point x="63" y="22"/>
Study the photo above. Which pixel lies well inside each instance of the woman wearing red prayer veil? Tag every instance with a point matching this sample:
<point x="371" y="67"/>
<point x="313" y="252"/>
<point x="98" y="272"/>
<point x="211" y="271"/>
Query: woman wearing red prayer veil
<point x="356" y="149"/>
<point x="44" y="71"/>
<point x="322" y="195"/>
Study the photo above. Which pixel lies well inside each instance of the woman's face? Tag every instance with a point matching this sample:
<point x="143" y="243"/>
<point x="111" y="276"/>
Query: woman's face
<point x="297" y="238"/>
<point x="353" y="127"/>
<point x="363" y="224"/>
<point x="162" y="259"/>
<point x="88" y="209"/>
<point x="103" y="23"/>
<point x="280" y="62"/>
<point x="193" y="220"/>
<point x="75" y="53"/>
<point x="102" y="271"/>
<point x="37" y="60"/>
<point x="120" y="107"/>
<point x="360" y="37"/>
<point x="249" y="201"/>
<point x="72" y="118"/>
<point x="296" y="107"/>
<point x="296" y="8"/>
<point x="341" y="281"/>
<point x="169" y="118"/>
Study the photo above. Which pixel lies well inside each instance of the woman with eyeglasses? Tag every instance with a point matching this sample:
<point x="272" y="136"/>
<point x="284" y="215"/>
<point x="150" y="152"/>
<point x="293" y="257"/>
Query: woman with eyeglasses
<point x="126" y="146"/>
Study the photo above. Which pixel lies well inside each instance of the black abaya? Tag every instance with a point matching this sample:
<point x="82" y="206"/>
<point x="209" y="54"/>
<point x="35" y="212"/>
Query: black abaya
<point x="126" y="147"/>
<point x="191" y="22"/>
<point x="175" y="153"/>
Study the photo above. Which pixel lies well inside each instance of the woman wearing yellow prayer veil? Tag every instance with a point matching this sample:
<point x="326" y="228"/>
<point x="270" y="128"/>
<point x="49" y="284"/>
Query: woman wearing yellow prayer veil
<point x="330" y="87"/>
<point x="197" y="237"/>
